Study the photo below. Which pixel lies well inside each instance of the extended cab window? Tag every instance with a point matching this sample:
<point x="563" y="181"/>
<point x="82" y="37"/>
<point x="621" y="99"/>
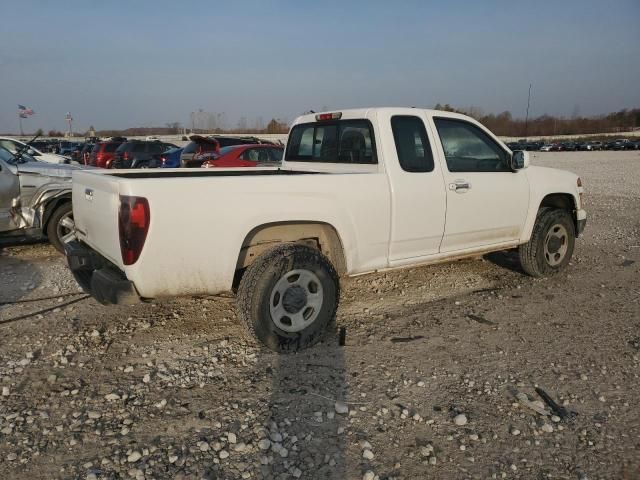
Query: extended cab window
<point x="348" y="141"/>
<point x="412" y="144"/>
<point x="468" y="149"/>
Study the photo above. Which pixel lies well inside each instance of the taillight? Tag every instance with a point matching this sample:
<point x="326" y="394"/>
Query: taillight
<point x="328" y="116"/>
<point x="125" y="156"/>
<point x="133" y="225"/>
<point x="163" y="160"/>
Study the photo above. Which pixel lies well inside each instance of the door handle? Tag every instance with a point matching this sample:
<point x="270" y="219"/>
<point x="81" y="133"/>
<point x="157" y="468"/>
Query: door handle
<point x="460" y="185"/>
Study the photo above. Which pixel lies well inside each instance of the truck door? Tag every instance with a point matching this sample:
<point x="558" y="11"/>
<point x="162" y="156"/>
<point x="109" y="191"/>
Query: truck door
<point x="9" y="189"/>
<point x="418" y="201"/>
<point x="487" y="202"/>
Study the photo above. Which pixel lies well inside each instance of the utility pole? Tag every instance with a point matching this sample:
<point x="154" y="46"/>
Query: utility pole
<point x="526" y="120"/>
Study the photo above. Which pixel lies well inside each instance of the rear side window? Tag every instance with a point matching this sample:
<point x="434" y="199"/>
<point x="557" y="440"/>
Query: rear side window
<point x="111" y="147"/>
<point x="412" y="144"/>
<point x="348" y="141"/>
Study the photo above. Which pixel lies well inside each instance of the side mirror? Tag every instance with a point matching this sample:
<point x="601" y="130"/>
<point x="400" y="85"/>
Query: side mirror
<point x="519" y="160"/>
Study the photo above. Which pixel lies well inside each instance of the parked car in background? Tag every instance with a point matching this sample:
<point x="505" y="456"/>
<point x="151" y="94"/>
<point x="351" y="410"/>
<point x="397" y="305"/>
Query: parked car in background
<point x="44" y="145"/>
<point x="569" y="146"/>
<point x="67" y="148"/>
<point x="592" y="146"/>
<point x="85" y="152"/>
<point x="168" y="159"/>
<point x="35" y="198"/>
<point x="14" y="146"/>
<point x="200" y="144"/>
<point x="102" y="153"/>
<point x="547" y="147"/>
<point x="620" y="144"/>
<point x="197" y="145"/>
<point x="245" y="156"/>
<point x="138" y="153"/>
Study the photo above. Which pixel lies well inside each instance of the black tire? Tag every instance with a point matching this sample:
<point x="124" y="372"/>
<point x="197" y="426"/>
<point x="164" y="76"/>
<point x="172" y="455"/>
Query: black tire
<point x="258" y="293"/>
<point x="534" y="258"/>
<point x="53" y="232"/>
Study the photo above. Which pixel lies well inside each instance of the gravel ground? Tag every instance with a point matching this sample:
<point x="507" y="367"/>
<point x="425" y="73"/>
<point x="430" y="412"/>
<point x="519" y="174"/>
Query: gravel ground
<point x="437" y="378"/>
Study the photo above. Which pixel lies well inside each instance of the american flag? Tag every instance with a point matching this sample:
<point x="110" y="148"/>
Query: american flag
<point x="25" y="112"/>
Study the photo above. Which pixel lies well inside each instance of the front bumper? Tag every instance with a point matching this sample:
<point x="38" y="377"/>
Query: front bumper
<point x="581" y="221"/>
<point x="98" y="277"/>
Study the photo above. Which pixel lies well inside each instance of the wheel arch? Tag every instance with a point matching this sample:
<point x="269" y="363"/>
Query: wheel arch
<point x="319" y="235"/>
<point x="51" y="206"/>
<point x="560" y="200"/>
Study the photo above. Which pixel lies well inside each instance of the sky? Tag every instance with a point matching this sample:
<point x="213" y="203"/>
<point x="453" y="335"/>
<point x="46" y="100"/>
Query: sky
<point x="120" y="64"/>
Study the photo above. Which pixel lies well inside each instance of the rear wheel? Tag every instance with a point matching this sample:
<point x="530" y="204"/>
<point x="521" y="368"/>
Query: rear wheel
<point x="60" y="229"/>
<point x="550" y="247"/>
<point x="288" y="296"/>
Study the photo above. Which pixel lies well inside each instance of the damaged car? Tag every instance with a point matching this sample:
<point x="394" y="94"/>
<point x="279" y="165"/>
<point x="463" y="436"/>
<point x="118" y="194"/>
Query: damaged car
<point x="35" y="198"/>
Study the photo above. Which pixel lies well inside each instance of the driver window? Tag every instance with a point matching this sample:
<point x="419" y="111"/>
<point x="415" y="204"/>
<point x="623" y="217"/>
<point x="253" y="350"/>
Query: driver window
<point x="468" y="149"/>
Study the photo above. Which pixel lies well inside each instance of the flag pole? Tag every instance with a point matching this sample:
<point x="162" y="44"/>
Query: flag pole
<point x="20" y="118"/>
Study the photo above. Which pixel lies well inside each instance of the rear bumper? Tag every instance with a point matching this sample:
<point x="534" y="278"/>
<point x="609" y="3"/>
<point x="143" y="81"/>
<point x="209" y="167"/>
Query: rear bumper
<point x="98" y="277"/>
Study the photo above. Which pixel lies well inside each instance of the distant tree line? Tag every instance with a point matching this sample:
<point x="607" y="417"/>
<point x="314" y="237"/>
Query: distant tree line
<point x="503" y="124"/>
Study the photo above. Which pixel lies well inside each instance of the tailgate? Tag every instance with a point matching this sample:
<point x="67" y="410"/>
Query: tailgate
<point x="96" y="201"/>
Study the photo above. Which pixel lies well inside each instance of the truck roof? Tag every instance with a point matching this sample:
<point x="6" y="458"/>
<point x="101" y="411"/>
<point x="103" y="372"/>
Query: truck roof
<point x="353" y="113"/>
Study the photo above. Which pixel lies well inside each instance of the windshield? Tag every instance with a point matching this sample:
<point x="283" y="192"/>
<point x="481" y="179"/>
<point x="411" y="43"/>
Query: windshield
<point x="10" y="158"/>
<point x="6" y="155"/>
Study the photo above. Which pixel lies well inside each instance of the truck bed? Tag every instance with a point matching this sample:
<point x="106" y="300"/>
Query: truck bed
<point x="200" y="219"/>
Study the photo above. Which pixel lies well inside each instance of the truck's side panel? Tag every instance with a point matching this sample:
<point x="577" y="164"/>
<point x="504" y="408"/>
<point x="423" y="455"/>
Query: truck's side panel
<point x="547" y="181"/>
<point x="198" y="225"/>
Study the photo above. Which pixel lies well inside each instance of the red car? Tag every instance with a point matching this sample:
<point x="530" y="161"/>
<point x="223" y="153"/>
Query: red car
<point x="244" y="156"/>
<point x="103" y="153"/>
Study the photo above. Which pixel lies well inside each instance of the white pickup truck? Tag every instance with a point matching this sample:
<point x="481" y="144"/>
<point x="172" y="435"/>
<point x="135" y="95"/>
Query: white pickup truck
<point x="359" y="191"/>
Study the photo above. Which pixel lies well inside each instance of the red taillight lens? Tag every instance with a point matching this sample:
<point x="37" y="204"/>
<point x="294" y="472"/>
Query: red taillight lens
<point x="133" y="225"/>
<point x="163" y="160"/>
<point x="328" y="116"/>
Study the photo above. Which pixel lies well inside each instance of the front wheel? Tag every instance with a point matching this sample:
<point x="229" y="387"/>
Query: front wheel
<point x="550" y="247"/>
<point x="61" y="228"/>
<point x="288" y="296"/>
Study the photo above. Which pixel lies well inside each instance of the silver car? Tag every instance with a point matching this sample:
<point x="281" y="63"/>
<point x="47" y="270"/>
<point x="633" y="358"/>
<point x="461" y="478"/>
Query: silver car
<point x="35" y="198"/>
